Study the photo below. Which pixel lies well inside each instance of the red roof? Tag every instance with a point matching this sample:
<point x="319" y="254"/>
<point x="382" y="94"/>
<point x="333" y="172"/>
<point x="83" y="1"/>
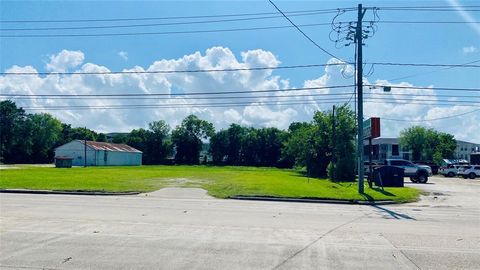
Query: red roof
<point x="111" y="147"/>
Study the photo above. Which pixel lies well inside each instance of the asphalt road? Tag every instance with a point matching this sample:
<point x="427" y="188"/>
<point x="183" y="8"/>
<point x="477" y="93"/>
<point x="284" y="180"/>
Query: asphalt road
<point x="186" y="229"/>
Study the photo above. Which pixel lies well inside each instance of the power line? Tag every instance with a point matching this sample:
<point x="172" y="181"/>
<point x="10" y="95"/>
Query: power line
<point x="235" y="92"/>
<point x="331" y="10"/>
<point x="254" y="98"/>
<point x="239" y="69"/>
<point x="433" y="119"/>
<point x="427" y="100"/>
<point x="172" y="71"/>
<point x="426" y="8"/>
<point x="219" y="104"/>
<point x="423" y="65"/>
<point x="177" y="94"/>
<point x="303" y="33"/>
<point x="428" y="72"/>
<point x="223" y="20"/>
<point x="425" y="88"/>
<point x="240" y="97"/>
<point x="423" y="22"/>
<point x="154" y="24"/>
<point x="186" y="97"/>
<point x="160" y="33"/>
<point x="423" y="95"/>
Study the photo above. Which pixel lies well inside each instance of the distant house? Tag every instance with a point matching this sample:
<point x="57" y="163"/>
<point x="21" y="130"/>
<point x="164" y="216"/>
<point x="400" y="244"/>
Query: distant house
<point x="100" y="154"/>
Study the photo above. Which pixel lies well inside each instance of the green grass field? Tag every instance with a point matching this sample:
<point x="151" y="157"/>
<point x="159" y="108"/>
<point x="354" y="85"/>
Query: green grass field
<point x="220" y="182"/>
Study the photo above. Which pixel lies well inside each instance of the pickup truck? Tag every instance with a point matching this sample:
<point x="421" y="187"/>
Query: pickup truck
<point x="417" y="173"/>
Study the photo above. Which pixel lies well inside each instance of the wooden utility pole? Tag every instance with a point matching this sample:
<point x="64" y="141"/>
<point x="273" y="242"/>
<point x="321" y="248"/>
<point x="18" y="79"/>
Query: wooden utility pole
<point x="359" y="60"/>
<point x="85" y="148"/>
<point x="334" y="157"/>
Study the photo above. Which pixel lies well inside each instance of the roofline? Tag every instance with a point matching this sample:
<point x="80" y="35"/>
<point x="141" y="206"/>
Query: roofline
<point x="83" y="142"/>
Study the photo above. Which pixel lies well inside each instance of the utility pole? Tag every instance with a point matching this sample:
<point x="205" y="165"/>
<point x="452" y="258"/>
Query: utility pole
<point x="334" y="157"/>
<point x="359" y="40"/>
<point x="85" y="148"/>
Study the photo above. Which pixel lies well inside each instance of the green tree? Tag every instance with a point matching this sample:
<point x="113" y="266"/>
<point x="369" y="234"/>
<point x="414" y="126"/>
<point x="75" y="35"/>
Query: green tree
<point x="270" y="142"/>
<point x="299" y="145"/>
<point x="236" y="137"/>
<point x="428" y="144"/>
<point x="343" y="145"/>
<point x="13" y="140"/>
<point x="414" y="139"/>
<point x="219" y="147"/>
<point x="188" y="137"/>
<point x="312" y="144"/>
<point x="69" y="134"/>
<point x="101" y="137"/>
<point x="46" y="131"/>
<point x="445" y="148"/>
<point x="158" y="144"/>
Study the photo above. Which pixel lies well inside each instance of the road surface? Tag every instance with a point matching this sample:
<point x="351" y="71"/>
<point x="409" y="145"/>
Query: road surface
<point x="186" y="229"/>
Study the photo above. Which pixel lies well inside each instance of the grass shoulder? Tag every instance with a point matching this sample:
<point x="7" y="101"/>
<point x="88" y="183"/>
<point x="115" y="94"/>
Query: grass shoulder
<point x="220" y="182"/>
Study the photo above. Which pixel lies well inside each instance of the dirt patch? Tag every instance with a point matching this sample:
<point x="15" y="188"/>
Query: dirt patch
<point x="185" y="182"/>
<point x="179" y="193"/>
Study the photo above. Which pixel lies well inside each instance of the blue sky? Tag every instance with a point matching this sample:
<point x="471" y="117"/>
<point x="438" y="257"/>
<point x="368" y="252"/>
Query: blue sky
<point x="391" y="43"/>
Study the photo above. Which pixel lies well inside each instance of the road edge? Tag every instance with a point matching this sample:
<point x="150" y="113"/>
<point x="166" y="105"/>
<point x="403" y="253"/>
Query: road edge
<point x="307" y="200"/>
<point x="66" y="192"/>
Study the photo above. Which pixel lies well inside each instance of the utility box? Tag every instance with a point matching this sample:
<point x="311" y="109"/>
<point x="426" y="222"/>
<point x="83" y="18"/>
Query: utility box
<point x="63" y="162"/>
<point x="388" y="176"/>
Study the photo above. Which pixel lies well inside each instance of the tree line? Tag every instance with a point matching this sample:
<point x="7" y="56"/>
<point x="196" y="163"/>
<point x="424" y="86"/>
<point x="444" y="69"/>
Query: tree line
<point x="325" y="146"/>
<point x="32" y="138"/>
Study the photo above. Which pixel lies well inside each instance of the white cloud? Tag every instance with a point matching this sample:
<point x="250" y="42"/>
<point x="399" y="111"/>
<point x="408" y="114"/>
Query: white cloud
<point x="265" y="111"/>
<point x="470" y="49"/>
<point x="65" y="60"/>
<point x="123" y="55"/>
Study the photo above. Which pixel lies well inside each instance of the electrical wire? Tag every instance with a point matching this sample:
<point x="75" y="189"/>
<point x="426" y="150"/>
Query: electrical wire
<point x="303" y="33"/>
<point x="218" y="104"/>
<point x="426" y="22"/>
<point x="177" y="94"/>
<point x="426" y="88"/>
<point x="331" y="10"/>
<point x="153" y="24"/>
<point x="240" y="69"/>
<point x="242" y="97"/>
<point x="428" y="72"/>
<point x="188" y="98"/>
<point x="432" y="119"/>
<point x="159" y="33"/>
<point x="236" y="92"/>
<point x="172" y="71"/>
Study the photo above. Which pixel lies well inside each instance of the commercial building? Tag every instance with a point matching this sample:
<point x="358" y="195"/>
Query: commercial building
<point x="383" y="148"/>
<point x="464" y="149"/>
<point x="99" y="154"/>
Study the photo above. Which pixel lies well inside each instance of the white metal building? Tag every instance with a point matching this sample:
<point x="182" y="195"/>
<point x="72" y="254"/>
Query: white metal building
<point x="100" y="154"/>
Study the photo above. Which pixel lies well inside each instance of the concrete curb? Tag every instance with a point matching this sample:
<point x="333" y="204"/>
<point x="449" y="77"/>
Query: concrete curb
<point x="65" y="192"/>
<point x="305" y="200"/>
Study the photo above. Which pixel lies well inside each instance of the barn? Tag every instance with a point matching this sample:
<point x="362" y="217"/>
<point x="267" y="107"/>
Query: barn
<point x="99" y="153"/>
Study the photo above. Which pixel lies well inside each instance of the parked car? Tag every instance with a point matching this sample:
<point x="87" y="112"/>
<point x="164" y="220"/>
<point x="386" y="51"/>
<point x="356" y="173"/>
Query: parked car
<point x="470" y="171"/>
<point x="433" y="165"/>
<point x="417" y="173"/>
<point x="449" y="170"/>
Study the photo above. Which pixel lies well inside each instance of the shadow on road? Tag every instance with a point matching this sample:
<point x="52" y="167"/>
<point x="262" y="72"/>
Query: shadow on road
<point x="392" y="213"/>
